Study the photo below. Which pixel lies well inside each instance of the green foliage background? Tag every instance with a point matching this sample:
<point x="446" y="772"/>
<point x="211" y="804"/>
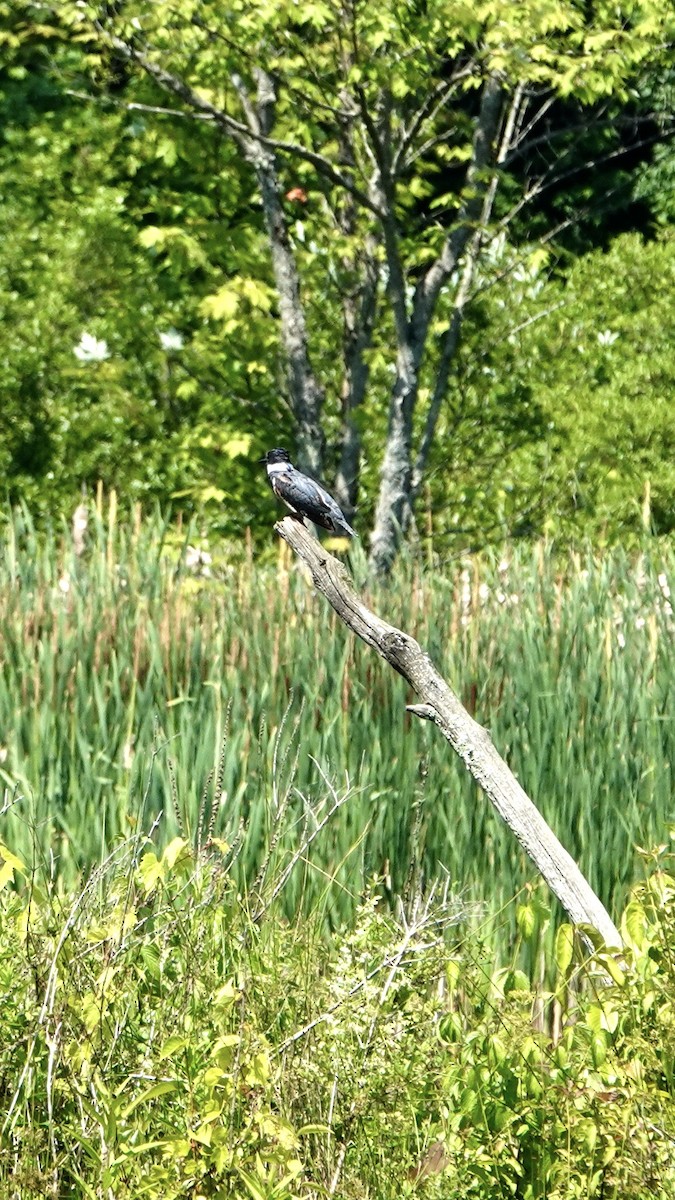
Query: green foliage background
<point x="120" y="231"/>
<point x="126" y="225"/>
<point x="561" y="414"/>
<point x="179" y="1017"/>
<point x="127" y="665"/>
<point x="168" y="1036"/>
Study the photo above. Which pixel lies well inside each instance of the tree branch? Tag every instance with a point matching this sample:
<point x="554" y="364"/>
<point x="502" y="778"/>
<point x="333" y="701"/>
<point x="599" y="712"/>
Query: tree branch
<point x="307" y="395"/>
<point x="238" y="129"/>
<point x="135" y="106"/>
<point x="259" y="149"/>
<point x="427" y="291"/>
<point x="469" y="739"/>
<point x="428" y="110"/>
<point x="450" y="340"/>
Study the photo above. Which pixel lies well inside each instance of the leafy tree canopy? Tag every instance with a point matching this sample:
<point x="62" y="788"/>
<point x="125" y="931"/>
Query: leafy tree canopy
<point x="147" y="335"/>
<point x="561" y="420"/>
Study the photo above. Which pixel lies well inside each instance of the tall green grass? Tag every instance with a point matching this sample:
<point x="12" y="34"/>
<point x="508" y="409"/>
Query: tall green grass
<point x="131" y="682"/>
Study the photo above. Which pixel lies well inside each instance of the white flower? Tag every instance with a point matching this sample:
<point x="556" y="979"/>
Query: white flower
<point x="483" y="592"/>
<point x="91" y="349"/>
<point x="621" y="640"/>
<point x="171" y="340"/>
<point x="663" y="584"/>
<point x="64" y="585"/>
<point x="198" y="560"/>
<point x="640" y="622"/>
<point x="607" y="337"/>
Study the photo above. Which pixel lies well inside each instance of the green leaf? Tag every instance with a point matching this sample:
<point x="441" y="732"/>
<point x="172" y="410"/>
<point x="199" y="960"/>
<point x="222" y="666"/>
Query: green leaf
<point x="564" y="949"/>
<point x="257" y="1072"/>
<point x="154" y="235"/>
<point x="157" y="1089"/>
<point x="526" y="920"/>
<point x="151" y="870"/>
<point x="610" y="964"/>
<point x="221" y="305"/>
<point x="226" y="995"/>
<point x="173" y="1045"/>
<point x="254" y="1188"/>
<point x="9" y="864"/>
<point x="238" y="445"/>
<point x="634" y="925"/>
<point x="176" y="850"/>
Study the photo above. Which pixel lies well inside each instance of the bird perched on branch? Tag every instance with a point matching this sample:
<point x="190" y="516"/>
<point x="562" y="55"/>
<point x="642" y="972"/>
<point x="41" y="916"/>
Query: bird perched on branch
<point x="303" y="496"/>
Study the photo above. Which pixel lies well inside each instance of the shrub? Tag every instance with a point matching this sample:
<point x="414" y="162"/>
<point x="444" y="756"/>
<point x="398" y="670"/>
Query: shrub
<point x="165" y="1035"/>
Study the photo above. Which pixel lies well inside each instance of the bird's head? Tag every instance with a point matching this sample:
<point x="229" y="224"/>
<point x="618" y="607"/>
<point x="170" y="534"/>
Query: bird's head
<point x="275" y="456"/>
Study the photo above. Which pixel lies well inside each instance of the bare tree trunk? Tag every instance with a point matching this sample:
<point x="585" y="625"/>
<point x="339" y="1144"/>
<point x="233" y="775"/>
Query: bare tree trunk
<point x="306" y="395"/>
<point x="450" y="339"/>
<point x="449" y="344"/>
<point x="470" y="740"/>
<point x="359" y="310"/>
<point x="396" y="479"/>
<point x="359" y="318"/>
<point x="396" y="476"/>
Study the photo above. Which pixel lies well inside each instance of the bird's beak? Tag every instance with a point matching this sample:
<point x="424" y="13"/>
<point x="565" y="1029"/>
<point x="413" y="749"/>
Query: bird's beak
<point x="263" y="459"/>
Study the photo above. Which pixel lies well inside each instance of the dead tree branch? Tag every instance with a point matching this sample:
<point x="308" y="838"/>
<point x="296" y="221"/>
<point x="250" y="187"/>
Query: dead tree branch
<point x="469" y="739"/>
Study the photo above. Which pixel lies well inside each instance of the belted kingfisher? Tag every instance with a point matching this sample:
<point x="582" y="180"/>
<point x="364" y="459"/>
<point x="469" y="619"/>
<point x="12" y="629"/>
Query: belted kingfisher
<point x="302" y="495"/>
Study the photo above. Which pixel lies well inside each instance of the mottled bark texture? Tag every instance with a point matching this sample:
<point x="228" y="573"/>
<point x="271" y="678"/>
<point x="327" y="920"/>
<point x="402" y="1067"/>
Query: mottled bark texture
<point x="361" y="270"/>
<point x="469" y="739"/>
<point x="253" y="135"/>
<point x="306" y="396"/>
<point x="395" y="497"/>
<point x="390" y="145"/>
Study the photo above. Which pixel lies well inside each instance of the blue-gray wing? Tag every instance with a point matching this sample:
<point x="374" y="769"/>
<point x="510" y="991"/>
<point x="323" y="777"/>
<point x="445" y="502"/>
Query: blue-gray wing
<point x="312" y="501"/>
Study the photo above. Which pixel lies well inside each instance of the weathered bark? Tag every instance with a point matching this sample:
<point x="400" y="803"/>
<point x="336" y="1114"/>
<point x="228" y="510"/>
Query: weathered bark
<point x="396" y="472"/>
<point x="359" y="310"/>
<point x="396" y="478"/>
<point x="359" y="319"/>
<point x="450" y="339"/>
<point x="253" y="136"/>
<point x="469" y="739"/>
<point x="305" y="393"/>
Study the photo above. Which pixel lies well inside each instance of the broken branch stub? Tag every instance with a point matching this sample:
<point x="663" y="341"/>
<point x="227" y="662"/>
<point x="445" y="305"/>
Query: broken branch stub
<point x="469" y="739"/>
